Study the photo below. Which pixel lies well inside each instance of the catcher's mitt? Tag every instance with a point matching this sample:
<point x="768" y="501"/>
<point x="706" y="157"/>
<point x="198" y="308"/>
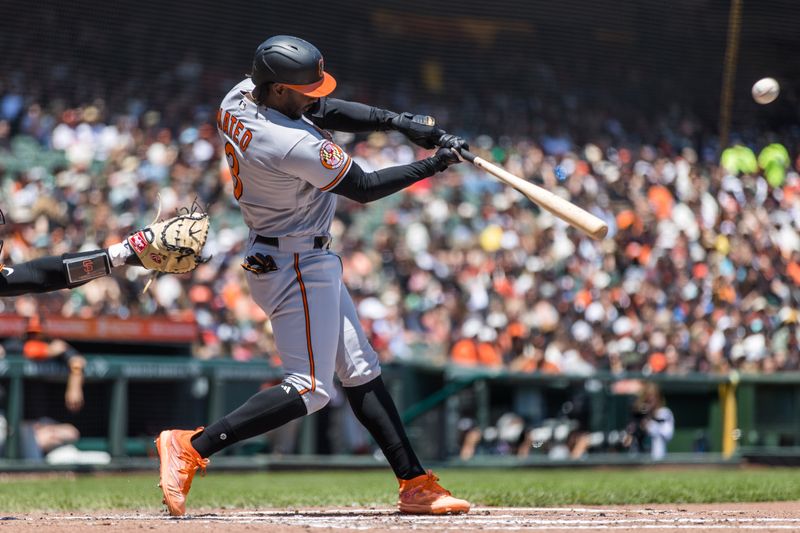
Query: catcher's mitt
<point x="173" y="245"/>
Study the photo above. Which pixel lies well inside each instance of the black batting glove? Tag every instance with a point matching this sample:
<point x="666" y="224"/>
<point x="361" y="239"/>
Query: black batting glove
<point x="444" y="157"/>
<point x="452" y="141"/>
<point x="420" y="129"/>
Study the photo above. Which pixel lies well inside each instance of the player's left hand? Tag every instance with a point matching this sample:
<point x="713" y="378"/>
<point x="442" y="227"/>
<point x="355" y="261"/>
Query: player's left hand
<point x="420" y="129"/>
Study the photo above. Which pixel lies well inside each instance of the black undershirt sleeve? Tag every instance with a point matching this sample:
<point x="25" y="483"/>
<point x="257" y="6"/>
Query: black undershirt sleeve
<point x="45" y="274"/>
<point x="341" y="115"/>
<point x="366" y="187"/>
<point x="39" y="275"/>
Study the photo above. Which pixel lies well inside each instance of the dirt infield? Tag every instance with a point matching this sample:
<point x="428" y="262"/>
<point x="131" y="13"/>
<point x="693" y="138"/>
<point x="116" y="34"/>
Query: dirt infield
<point x="774" y="516"/>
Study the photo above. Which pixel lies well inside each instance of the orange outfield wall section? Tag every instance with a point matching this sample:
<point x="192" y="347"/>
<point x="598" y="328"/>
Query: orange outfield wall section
<point x="139" y="330"/>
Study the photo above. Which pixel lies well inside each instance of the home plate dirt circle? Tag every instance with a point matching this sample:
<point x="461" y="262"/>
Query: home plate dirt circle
<point x="773" y="516"/>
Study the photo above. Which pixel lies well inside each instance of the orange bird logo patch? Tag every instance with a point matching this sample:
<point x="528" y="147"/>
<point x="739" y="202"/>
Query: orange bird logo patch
<point x="331" y="155"/>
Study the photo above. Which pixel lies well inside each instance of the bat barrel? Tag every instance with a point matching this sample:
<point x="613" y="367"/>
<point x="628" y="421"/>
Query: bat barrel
<point x="563" y="209"/>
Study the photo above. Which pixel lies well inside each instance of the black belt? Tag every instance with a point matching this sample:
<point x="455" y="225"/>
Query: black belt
<point x="319" y="241"/>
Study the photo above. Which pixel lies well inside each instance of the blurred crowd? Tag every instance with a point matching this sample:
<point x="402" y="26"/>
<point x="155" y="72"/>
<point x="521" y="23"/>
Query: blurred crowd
<point x="700" y="270"/>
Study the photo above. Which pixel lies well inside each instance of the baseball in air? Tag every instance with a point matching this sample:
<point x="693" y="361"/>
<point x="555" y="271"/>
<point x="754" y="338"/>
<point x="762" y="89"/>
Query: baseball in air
<point x="766" y="90"/>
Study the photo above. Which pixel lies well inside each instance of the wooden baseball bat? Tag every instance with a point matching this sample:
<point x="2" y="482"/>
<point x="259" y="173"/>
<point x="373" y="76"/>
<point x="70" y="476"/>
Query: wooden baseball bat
<point x="563" y="209"/>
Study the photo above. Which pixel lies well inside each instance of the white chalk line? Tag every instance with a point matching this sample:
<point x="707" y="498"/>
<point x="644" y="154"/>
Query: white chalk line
<point x="478" y="520"/>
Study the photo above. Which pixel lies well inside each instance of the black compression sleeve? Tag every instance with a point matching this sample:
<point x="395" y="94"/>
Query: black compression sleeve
<point x="264" y="411"/>
<point x="375" y="409"/>
<point x="341" y="115"/>
<point x="366" y="187"/>
<point x="45" y="274"/>
<point x="40" y="275"/>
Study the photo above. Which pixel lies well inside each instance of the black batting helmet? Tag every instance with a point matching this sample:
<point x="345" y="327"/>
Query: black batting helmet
<point x="293" y="62"/>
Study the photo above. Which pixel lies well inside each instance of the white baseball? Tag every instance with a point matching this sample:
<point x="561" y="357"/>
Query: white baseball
<point x="766" y="90"/>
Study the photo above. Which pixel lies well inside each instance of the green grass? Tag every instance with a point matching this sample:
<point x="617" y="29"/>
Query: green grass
<point x="518" y="487"/>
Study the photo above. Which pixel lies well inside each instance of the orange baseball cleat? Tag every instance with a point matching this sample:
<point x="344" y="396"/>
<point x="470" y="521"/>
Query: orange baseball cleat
<point x="179" y="462"/>
<point x="423" y="495"/>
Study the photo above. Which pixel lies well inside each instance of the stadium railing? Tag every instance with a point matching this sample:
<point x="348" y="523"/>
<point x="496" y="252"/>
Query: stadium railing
<point x="132" y="397"/>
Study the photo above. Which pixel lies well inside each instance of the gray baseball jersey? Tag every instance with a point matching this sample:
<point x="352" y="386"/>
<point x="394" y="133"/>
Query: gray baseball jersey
<point x="282" y="171"/>
<point x="281" y="168"/>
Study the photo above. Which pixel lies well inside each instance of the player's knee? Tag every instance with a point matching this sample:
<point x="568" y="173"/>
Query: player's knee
<point x="317" y="398"/>
<point x="316" y="392"/>
<point x="363" y="368"/>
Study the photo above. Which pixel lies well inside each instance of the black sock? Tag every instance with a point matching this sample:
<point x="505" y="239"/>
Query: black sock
<point x="269" y="409"/>
<point x="375" y="409"/>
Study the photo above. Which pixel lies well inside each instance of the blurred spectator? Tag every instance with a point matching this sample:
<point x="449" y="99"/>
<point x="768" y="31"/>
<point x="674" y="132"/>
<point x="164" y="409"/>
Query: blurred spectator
<point x="577" y="410"/>
<point x="44" y="435"/>
<point x="35" y="346"/>
<point x="700" y="271"/>
<point x="652" y="423"/>
<point x="509" y="436"/>
<point x="40" y="437"/>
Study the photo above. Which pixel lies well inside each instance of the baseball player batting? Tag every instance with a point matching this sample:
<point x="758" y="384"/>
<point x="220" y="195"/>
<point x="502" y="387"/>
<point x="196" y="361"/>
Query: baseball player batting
<point x="287" y="173"/>
<point x="173" y="245"/>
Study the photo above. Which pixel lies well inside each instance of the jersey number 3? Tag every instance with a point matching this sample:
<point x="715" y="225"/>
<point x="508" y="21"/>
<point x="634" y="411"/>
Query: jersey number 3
<point x="230" y="152"/>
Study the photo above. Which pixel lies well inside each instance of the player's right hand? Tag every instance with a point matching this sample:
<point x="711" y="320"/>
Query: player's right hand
<point x="452" y="141"/>
<point x="445" y="157"/>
